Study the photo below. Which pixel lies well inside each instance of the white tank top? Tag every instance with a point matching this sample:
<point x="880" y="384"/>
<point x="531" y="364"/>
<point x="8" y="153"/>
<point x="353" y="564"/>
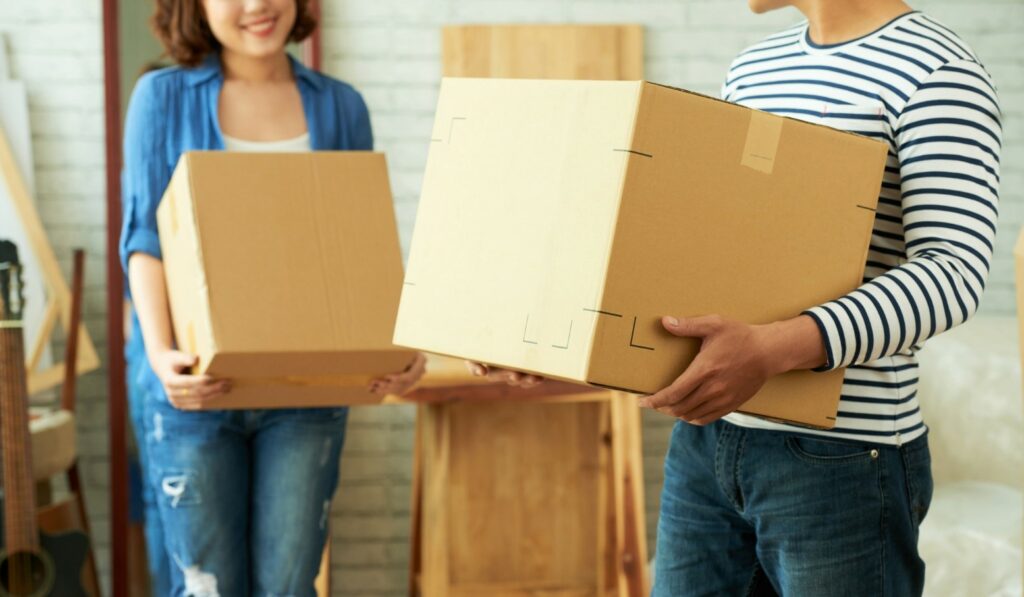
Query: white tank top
<point x="300" y="143"/>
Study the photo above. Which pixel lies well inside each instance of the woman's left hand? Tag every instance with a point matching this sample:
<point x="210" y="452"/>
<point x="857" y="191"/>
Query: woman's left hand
<point x="732" y="365"/>
<point x="397" y="384"/>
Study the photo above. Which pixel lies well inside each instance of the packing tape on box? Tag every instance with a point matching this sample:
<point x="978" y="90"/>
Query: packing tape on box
<point x="762" y="141"/>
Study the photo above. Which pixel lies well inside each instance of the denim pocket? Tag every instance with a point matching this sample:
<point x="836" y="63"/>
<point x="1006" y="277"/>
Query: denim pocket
<point x="830" y="452"/>
<point x="917" y="466"/>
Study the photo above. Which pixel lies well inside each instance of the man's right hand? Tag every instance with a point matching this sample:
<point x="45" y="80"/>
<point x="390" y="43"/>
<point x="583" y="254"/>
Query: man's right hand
<point x="512" y="378"/>
<point x="185" y="391"/>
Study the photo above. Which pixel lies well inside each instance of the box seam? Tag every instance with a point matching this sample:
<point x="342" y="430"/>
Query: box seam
<point x="630" y="152"/>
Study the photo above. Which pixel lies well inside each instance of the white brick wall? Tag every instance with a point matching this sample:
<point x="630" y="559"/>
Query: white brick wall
<point x="390" y="50"/>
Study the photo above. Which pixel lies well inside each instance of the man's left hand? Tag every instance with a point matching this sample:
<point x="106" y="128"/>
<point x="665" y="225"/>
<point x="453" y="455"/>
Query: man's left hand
<point x="733" y="363"/>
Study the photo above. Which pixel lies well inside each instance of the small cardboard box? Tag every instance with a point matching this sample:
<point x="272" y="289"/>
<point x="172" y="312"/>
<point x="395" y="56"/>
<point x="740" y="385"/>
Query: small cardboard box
<point x="283" y="274"/>
<point x="559" y="220"/>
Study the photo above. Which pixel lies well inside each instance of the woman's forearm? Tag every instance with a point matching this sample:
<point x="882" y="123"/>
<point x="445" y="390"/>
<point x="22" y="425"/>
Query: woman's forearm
<point x="149" y="296"/>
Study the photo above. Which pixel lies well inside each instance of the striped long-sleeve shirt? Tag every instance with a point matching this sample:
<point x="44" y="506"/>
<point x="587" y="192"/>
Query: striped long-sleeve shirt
<point x="917" y="86"/>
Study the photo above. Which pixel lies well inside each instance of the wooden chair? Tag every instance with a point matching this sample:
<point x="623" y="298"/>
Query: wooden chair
<point x="525" y="492"/>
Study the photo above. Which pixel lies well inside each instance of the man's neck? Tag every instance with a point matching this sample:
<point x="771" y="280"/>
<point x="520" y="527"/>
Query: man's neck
<point x="837" y="21"/>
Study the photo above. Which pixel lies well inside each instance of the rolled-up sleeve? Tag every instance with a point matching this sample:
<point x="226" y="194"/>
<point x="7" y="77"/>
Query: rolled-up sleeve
<point x="145" y="172"/>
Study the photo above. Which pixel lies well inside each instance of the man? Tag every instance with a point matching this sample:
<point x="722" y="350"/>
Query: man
<point x="754" y="507"/>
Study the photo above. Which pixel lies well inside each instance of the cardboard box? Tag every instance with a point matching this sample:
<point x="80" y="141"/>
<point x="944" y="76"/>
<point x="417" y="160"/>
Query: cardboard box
<point x="560" y="220"/>
<point x="283" y="273"/>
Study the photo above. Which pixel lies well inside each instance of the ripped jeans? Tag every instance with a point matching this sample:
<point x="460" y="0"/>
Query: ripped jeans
<point x="244" y="496"/>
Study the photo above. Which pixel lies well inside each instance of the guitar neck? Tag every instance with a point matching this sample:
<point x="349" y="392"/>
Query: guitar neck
<point x="19" y="487"/>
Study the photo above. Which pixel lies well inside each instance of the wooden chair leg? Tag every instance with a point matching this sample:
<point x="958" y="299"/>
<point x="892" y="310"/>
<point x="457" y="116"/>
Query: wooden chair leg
<point x="629" y="481"/>
<point x="75" y="485"/>
<point x="416" y="553"/>
<point x="323" y="579"/>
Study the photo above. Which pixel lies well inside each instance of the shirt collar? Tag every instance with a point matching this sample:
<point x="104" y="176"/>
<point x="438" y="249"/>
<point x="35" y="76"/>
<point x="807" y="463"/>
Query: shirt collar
<point x="210" y="69"/>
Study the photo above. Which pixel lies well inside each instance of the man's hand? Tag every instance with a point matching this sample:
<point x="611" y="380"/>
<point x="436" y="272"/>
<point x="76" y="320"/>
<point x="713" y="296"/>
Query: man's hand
<point x="397" y="384"/>
<point x="734" y="362"/>
<point x="512" y="378"/>
<point x="185" y="391"/>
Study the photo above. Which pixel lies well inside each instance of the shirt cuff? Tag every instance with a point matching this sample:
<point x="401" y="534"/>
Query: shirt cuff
<point x="140" y="241"/>
<point x="829" y="335"/>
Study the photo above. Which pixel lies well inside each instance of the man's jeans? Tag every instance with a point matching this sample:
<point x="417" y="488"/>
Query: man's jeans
<point x="755" y="512"/>
<point x="244" y="496"/>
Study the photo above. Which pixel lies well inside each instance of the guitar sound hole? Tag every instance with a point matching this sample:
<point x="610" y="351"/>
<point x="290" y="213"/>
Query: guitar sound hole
<point x="24" y="574"/>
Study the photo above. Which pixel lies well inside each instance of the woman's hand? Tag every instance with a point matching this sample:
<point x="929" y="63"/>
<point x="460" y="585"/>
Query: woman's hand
<point x="734" y="362"/>
<point x="397" y="384"/>
<point x="512" y="378"/>
<point x="185" y="391"/>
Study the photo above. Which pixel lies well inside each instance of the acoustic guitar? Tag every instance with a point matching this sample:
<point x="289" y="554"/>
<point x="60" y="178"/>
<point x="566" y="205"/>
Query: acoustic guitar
<point x="31" y="564"/>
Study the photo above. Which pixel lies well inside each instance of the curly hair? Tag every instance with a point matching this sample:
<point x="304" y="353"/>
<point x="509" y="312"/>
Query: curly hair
<point x="181" y="27"/>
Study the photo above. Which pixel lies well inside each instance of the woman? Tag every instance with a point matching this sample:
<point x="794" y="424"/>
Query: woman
<point x="243" y="496"/>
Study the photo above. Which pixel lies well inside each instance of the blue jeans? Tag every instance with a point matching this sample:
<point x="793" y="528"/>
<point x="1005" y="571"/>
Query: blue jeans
<point x="244" y="496"/>
<point x="156" y="554"/>
<point x="755" y="512"/>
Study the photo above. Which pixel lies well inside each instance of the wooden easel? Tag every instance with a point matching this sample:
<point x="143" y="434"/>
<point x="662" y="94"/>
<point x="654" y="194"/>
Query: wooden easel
<point x="59" y="296"/>
<point x="529" y="492"/>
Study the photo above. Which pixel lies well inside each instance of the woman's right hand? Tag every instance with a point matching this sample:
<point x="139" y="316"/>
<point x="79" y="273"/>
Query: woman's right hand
<point x="512" y="378"/>
<point x="185" y="391"/>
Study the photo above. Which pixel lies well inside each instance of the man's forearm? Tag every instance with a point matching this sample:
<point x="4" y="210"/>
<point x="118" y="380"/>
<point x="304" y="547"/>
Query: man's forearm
<point x="794" y="344"/>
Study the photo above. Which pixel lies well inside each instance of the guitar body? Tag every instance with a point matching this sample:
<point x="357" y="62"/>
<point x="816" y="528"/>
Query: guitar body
<point x="63" y="555"/>
<point x="32" y="563"/>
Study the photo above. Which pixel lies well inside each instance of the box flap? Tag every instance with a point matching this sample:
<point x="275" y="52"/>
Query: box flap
<point x="486" y="183"/>
<point x="348" y="368"/>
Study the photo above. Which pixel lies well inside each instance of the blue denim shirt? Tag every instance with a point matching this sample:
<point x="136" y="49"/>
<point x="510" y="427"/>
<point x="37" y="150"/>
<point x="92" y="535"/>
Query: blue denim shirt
<point x="174" y="110"/>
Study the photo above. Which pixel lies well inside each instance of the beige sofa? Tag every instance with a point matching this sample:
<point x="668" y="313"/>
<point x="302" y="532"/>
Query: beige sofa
<point x="971" y="398"/>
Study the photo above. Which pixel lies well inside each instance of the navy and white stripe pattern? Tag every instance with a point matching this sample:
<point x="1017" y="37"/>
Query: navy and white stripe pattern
<point x="918" y="87"/>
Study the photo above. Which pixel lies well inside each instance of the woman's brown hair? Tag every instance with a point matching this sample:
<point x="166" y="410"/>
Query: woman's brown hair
<point x="181" y="27"/>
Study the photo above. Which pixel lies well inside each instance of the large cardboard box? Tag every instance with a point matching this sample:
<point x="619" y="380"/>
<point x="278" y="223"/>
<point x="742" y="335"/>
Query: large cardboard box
<point x="283" y="274"/>
<point x="559" y="220"/>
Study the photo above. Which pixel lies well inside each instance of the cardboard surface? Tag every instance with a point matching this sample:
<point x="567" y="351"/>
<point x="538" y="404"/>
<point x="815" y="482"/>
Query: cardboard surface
<point x="559" y="221"/>
<point x="283" y="272"/>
